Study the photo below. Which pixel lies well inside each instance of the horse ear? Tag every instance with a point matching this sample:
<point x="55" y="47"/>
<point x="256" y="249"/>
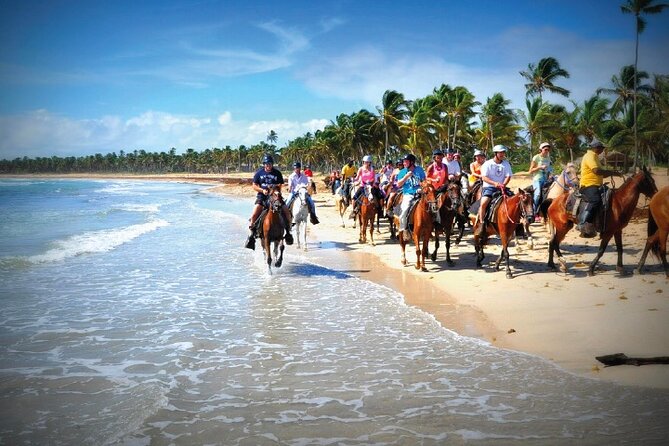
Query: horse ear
<point x="521" y="191"/>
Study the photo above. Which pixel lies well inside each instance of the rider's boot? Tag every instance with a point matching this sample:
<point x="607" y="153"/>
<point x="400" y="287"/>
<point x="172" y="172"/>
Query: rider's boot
<point x="251" y="239"/>
<point x="313" y="218"/>
<point x="480" y="229"/>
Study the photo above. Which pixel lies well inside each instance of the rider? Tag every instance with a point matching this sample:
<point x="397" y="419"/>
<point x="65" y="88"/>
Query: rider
<point x="541" y="166"/>
<point x="592" y="179"/>
<point x="475" y="167"/>
<point x="454" y="168"/>
<point x="335" y="178"/>
<point x="347" y="173"/>
<point x="364" y="176"/>
<point x="437" y="172"/>
<point x="386" y="172"/>
<point x="409" y="180"/>
<point x="264" y="178"/>
<point x="295" y="181"/>
<point x="496" y="174"/>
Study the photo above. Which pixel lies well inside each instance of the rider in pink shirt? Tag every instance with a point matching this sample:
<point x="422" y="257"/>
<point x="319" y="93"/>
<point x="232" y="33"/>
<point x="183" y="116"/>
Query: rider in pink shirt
<point x="437" y="172"/>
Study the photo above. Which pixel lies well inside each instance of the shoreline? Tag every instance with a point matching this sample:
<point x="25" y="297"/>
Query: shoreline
<point x="567" y="319"/>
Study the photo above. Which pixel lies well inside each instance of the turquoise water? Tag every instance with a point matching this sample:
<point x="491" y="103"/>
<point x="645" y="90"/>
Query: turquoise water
<point x="131" y="314"/>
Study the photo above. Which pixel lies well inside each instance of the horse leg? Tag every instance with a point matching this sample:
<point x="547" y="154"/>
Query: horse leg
<point x="371" y="230"/>
<point x="416" y="242"/>
<point x="305" y="230"/>
<point x="618" y="238"/>
<point x="433" y="256"/>
<point x="649" y="243"/>
<point x="279" y="261"/>
<point x="602" y="247"/>
<point x="267" y="246"/>
<point x="663" y="250"/>
<point x="478" y="246"/>
<point x="403" y="246"/>
<point x="447" y="236"/>
<point x="461" y="228"/>
<point x="530" y="239"/>
<point x="425" y="250"/>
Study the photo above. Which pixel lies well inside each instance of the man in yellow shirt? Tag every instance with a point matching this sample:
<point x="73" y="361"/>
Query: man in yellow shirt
<point x="592" y="178"/>
<point x="348" y="172"/>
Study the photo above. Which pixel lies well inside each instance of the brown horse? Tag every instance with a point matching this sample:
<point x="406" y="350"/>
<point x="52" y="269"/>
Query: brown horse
<point x="658" y="229"/>
<point x="272" y="229"/>
<point x="508" y="216"/>
<point x="447" y="215"/>
<point x="424" y="215"/>
<point x="369" y="209"/>
<point x="622" y="205"/>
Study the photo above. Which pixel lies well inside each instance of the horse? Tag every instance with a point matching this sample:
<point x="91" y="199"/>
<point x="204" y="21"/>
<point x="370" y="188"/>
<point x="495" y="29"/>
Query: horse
<point x="658" y="228"/>
<point x="369" y="209"/>
<point x="424" y="214"/>
<point x="300" y="211"/>
<point x="342" y="201"/>
<point x="272" y="229"/>
<point x="622" y="204"/>
<point x="312" y="186"/>
<point x="563" y="183"/>
<point x="508" y="216"/>
<point x="446" y="217"/>
<point x="458" y="206"/>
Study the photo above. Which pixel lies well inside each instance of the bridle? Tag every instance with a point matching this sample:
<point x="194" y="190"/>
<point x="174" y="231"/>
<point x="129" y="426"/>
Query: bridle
<point x="275" y="201"/>
<point x="568" y="180"/>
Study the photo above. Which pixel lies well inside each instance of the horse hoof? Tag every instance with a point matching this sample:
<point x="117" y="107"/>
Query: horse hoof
<point x="423" y="269"/>
<point x="591" y="273"/>
<point x="509" y="276"/>
<point x="450" y="263"/>
<point x="433" y="257"/>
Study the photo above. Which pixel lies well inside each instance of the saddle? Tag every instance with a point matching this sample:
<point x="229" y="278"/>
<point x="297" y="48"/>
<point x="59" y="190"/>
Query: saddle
<point x="575" y="204"/>
<point x="491" y="212"/>
<point x="257" y="227"/>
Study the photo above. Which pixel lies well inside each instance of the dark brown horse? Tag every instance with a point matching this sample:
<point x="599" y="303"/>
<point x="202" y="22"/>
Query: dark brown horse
<point x="424" y="215"/>
<point x="658" y="229"/>
<point x="369" y="209"/>
<point x="273" y="228"/>
<point x="622" y="205"/>
<point x="508" y="216"/>
<point x="448" y="209"/>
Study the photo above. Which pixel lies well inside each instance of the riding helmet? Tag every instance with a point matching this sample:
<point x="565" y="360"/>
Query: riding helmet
<point x="267" y="159"/>
<point x="438" y="152"/>
<point x="297" y="164"/>
<point x="499" y="148"/>
<point x="367" y="159"/>
<point x="410" y="157"/>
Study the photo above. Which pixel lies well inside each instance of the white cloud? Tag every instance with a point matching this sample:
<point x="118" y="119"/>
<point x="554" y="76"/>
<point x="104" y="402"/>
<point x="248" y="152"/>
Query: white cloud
<point x="490" y="65"/>
<point x="42" y="133"/>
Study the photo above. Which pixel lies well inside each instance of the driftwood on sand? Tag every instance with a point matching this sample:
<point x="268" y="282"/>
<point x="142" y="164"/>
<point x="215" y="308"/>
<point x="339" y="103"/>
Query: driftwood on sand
<point x="623" y="359"/>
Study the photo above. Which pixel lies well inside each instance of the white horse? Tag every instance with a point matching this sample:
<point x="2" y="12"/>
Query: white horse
<point x="300" y="211"/>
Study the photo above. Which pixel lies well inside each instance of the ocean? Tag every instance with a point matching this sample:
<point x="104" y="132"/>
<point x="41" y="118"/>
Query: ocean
<point x="131" y="314"/>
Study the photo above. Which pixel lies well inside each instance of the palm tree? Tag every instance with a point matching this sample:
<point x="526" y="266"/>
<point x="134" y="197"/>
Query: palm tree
<point x="392" y="112"/>
<point x="272" y="137"/>
<point x="639" y="7"/>
<point x="420" y="128"/>
<point x="541" y="77"/>
<point x="625" y="87"/>
<point x="542" y="121"/>
<point x="498" y="123"/>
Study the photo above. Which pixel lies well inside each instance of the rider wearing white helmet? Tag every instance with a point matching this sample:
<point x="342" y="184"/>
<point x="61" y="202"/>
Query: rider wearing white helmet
<point x="496" y="174"/>
<point x="365" y="175"/>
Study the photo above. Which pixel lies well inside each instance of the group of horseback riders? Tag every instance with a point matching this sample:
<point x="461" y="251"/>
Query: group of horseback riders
<point x="405" y="176"/>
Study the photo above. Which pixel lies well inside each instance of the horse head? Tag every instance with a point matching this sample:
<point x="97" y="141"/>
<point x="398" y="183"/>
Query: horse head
<point x="428" y="194"/>
<point x="302" y="194"/>
<point x="647" y="185"/>
<point x="526" y="205"/>
<point x="569" y="176"/>
<point x="275" y="199"/>
<point x="454" y="193"/>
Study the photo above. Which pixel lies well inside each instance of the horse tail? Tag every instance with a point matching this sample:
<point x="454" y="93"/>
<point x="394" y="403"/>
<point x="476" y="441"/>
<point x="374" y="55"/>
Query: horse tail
<point x="652" y="229"/>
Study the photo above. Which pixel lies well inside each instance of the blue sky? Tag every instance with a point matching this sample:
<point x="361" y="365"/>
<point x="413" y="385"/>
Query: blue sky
<point x="85" y="77"/>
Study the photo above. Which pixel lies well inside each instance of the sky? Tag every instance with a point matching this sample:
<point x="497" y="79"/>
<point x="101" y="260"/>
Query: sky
<point x="85" y="77"/>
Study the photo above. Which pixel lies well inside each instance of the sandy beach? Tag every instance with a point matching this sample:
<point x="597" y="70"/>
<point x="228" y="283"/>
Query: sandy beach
<point x="568" y="319"/>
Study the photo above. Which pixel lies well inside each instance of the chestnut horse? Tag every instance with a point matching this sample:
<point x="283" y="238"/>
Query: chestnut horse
<point x="623" y="203"/>
<point x="273" y="228"/>
<point x="424" y="215"/>
<point x="369" y="209"/>
<point x="658" y="229"/>
<point x="508" y="216"/>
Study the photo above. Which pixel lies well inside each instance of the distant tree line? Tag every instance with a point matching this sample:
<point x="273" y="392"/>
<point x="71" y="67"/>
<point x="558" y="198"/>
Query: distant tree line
<point x="445" y="118"/>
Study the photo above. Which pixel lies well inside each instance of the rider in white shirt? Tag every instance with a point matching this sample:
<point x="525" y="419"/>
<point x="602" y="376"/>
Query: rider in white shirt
<point x="296" y="180"/>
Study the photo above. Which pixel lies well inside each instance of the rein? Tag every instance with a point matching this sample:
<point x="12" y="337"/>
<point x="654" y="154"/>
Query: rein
<point x="567" y="180"/>
<point x="506" y="205"/>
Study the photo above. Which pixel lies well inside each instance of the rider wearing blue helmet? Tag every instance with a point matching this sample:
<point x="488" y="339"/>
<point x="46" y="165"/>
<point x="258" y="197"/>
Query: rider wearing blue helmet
<point x="264" y="178"/>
